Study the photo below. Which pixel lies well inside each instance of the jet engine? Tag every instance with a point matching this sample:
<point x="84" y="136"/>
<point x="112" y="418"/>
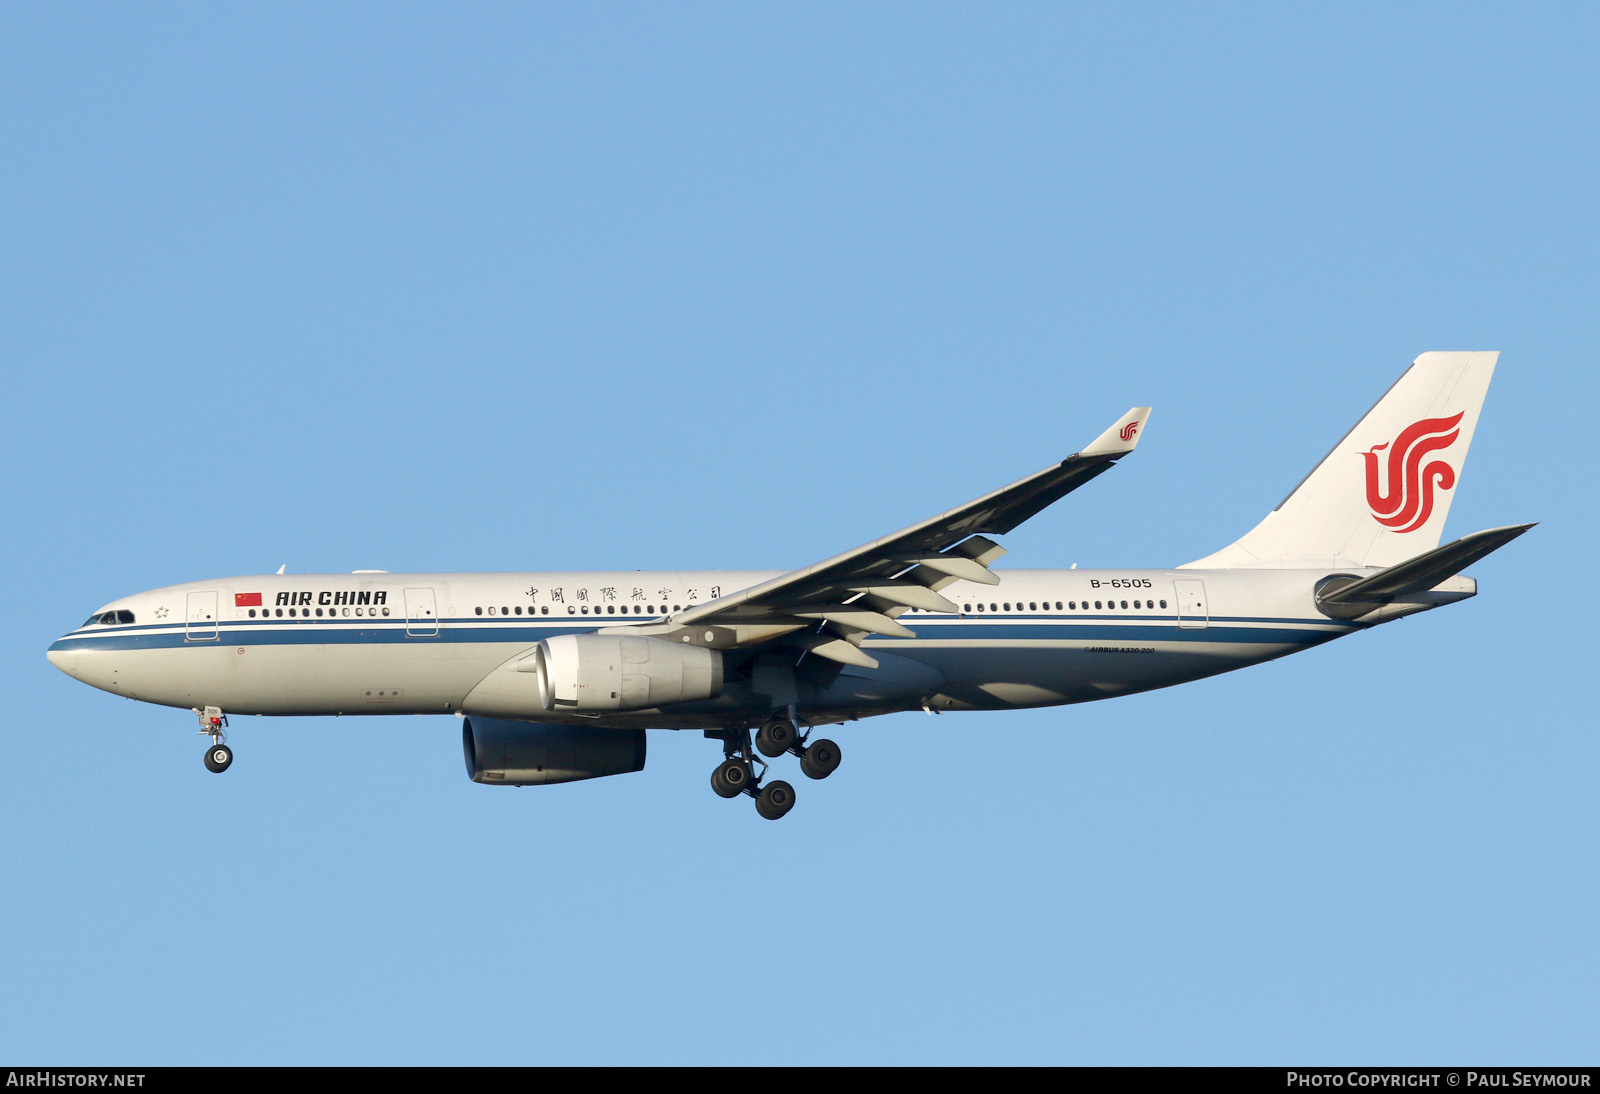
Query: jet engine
<point x="604" y="672"/>
<point x="506" y="753"/>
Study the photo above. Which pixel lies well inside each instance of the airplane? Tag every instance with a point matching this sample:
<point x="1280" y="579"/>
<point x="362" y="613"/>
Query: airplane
<point x="557" y="676"/>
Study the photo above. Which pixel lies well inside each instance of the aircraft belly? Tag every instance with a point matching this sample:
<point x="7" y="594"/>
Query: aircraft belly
<point x="175" y="677"/>
<point x="421" y="678"/>
<point x="994" y="675"/>
<point x="342" y="678"/>
<point x="898" y="683"/>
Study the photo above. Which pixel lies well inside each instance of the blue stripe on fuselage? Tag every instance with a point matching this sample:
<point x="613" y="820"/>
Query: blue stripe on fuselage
<point x="946" y="629"/>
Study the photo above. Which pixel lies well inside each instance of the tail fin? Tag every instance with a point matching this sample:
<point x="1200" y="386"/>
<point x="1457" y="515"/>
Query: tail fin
<point x="1382" y="495"/>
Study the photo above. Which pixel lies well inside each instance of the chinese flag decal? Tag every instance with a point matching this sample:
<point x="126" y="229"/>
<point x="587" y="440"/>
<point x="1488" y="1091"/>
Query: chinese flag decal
<point x="247" y="600"/>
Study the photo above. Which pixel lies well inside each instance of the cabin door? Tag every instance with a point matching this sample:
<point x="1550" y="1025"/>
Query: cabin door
<point x="200" y="617"/>
<point x="1192" y="612"/>
<point x="422" y="616"/>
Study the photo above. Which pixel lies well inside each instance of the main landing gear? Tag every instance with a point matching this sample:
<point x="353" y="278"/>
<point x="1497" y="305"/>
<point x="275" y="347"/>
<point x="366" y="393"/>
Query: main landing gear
<point x="213" y="724"/>
<point x="737" y="774"/>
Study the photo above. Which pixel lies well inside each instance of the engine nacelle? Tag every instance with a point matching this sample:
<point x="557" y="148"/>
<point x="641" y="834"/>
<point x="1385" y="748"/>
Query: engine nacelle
<point x="506" y="753"/>
<point x="607" y="672"/>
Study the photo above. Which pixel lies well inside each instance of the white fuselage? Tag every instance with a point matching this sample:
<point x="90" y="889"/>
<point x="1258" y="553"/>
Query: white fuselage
<point x="379" y="643"/>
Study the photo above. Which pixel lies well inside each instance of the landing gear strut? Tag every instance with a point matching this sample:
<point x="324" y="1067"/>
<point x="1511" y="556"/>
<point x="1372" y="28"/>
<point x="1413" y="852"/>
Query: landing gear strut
<point x="742" y="772"/>
<point x="737" y="774"/>
<point x="213" y="724"/>
<point x="778" y="735"/>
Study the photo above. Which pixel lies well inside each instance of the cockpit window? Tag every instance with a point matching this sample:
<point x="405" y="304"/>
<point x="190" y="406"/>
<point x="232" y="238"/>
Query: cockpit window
<point x="92" y="620"/>
<point x="124" y="616"/>
<point x="121" y="616"/>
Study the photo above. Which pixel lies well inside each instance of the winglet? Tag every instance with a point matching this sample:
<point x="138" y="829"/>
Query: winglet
<point x="1122" y="437"/>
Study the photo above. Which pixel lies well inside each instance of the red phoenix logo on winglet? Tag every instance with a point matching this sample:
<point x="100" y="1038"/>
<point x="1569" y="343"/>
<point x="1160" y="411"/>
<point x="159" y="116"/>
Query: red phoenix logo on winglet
<point x="1129" y="430"/>
<point x="1408" y="502"/>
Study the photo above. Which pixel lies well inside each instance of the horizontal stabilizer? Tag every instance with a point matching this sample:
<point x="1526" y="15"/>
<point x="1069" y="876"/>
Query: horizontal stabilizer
<point x="1350" y="598"/>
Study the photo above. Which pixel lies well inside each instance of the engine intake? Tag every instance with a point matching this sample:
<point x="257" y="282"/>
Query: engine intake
<point x="604" y="672"/>
<point x="501" y="752"/>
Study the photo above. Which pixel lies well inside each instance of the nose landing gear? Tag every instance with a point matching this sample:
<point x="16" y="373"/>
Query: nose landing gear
<point x="213" y="724"/>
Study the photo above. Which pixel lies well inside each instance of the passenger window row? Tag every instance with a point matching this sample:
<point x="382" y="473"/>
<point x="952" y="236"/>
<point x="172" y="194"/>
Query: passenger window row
<point x="1071" y="606"/>
<point x="307" y="613"/>
<point x="580" y="609"/>
<point x="660" y="610"/>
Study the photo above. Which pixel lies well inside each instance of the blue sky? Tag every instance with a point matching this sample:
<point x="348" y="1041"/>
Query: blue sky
<point x="726" y="286"/>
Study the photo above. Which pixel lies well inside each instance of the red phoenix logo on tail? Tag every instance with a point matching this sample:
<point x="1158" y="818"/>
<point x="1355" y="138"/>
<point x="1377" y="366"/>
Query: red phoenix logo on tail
<point x="1129" y="430"/>
<point x="1408" y="502"/>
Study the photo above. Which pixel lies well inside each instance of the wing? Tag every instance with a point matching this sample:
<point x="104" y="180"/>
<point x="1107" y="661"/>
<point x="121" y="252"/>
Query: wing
<point x="841" y="601"/>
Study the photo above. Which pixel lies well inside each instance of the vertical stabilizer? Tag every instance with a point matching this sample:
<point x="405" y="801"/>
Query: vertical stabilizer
<point x="1382" y="495"/>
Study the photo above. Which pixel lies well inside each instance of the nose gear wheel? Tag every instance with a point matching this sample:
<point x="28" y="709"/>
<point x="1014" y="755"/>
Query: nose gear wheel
<point x="214" y="724"/>
<point x="218" y="758"/>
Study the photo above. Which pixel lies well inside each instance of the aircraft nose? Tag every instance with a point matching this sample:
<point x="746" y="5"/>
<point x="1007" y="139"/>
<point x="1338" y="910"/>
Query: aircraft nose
<point x="65" y="660"/>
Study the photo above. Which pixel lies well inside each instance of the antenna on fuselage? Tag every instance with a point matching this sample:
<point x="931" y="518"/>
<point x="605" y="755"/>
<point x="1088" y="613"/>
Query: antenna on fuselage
<point x="283" y="567"/>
